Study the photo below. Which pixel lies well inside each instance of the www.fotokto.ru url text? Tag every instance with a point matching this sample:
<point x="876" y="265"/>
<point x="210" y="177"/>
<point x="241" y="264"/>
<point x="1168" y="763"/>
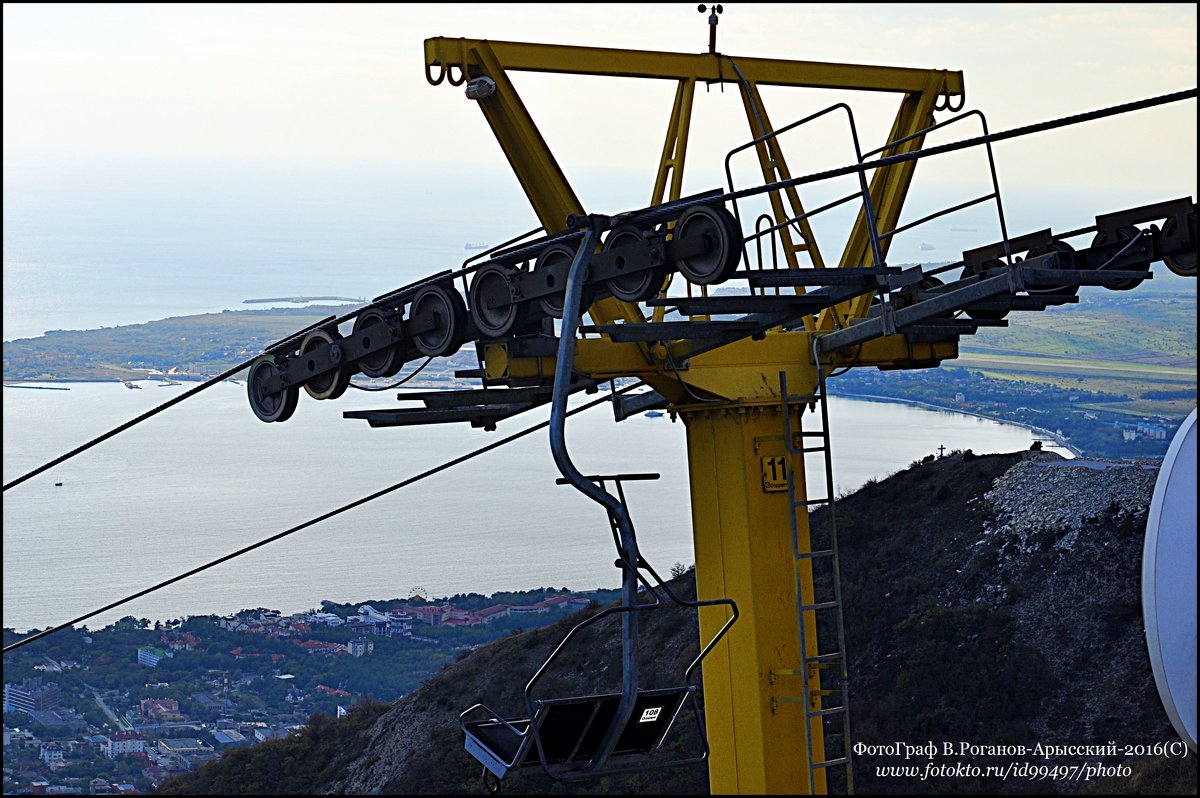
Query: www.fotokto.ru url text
<point x="1012" y="769"/>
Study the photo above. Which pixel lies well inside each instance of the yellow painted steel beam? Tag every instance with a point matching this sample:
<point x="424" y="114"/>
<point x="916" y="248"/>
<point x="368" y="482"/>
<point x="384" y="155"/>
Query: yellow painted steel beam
<point x="674" y="155"/>
<point x="531" y="159"/>
<point x="442" y="52"/>
<point x="742" y="533"/>
<point x="774" y="168"/>
<point x="744" y="551"/>
<point x="745" y="371"/>
<point x="670" y="164"/>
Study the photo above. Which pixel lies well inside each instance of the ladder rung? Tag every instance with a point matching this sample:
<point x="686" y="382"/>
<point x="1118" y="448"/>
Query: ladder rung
<point x="820" y="713"/>
<point x="810" y="502"/>
<point x="830" y="657"/>
<point x="808" y="555"/>
<point x="796" y="399"/>
<point x="822" y="605"/>
<point x="832" y="762"/>
<point x="814" y="449"/>
<point x="811" y="662"/>
<point x="820" y="433"/>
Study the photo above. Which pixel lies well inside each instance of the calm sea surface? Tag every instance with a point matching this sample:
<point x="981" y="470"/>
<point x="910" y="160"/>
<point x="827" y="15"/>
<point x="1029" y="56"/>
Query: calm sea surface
<point x="119" y="246"/>
<point x="206" y="478"/>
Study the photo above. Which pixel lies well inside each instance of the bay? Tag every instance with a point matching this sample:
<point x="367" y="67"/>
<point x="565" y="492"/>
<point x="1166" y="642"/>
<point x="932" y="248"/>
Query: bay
<point x="206" y="478"/>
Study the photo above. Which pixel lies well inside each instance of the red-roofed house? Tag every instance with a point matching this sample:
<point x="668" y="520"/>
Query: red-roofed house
<point x="320" y="647"/>
<point x="123" y="742"/>
<point x="160" y="709"/>
<point x="428" y="613"/>
<point x="180" y="642"/>
<point x="320" y="688"/>
<point x="489" y="614"/>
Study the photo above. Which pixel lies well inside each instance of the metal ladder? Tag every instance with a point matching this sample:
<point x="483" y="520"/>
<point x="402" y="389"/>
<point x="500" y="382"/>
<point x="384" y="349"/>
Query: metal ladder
<point x="825" y="616"/>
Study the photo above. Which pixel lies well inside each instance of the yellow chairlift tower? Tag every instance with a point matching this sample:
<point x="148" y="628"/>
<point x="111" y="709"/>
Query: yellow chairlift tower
<point x="775" y="700"/>
<point x="742" y="521"/>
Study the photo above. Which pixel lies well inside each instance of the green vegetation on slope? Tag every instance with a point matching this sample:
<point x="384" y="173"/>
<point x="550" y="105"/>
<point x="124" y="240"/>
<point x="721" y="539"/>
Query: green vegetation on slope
<point x="937" y="653"/>
<point x="1122" y="328"/>
<point x="317" y="755"/>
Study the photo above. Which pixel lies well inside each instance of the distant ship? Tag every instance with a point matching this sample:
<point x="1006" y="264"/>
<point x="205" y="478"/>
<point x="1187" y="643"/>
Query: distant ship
<point x="653" y="414"/>
<point x="131" y="386"/>
<point x="475" y="246"/>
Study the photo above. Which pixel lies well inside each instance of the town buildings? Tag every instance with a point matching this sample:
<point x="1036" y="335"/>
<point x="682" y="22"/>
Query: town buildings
<point x="121" y="743"/>
<point x="30" y="695"/>
<point x="151" y="656"/>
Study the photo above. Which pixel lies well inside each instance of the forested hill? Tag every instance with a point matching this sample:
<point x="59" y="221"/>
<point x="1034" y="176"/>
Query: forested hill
<point x="993" y="600"/>
<point x="1149" y="329"/>
<point x="207" y="343"/>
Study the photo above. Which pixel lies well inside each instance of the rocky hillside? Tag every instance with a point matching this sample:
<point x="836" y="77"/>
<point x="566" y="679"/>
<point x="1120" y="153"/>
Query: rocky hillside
<point x="991" y="600"/>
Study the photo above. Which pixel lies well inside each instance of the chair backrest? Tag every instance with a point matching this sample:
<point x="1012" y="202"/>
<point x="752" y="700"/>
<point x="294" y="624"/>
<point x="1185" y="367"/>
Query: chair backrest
<point x="571" y="729"/>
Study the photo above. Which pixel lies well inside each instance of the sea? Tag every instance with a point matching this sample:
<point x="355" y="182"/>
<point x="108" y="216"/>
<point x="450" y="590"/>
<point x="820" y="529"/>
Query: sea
<point x="107" y="244"/>
<point x="205" y="478"/>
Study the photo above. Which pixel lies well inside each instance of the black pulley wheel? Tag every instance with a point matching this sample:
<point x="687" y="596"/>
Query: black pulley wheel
<point x="269" y="405"/>
<point x="1124" y="235"/>
<point x="1183" y="263"/>
<point x="438" y="318"/>
<point x="381" y="363"/>
<point x="552" y="269"/>
<point x="636" y="286"/>
<point x="927" y="284"/>
<point x="330" y="384"/>
<point x="724" y="244"/>
<point x="491" y="300"/>
<point x="989" y="313"/>
<point x="1066" y="261"/>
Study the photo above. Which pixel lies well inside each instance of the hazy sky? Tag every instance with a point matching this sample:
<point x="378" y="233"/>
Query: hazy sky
<point x="105" y="86"/>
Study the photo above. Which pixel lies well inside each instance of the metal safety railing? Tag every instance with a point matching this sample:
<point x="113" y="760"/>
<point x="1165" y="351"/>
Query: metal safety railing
<point x="794" y="221"/>
<point x="994" y="195"/>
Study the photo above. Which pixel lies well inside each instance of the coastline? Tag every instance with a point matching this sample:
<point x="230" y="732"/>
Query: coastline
<point x="1058" y="439"/>
<point x="121" y="502"/>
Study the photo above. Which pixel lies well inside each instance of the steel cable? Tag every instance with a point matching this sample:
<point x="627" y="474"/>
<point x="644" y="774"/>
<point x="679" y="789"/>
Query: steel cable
<point x="115" y="430"/>
<point x="1025" y="130"/>
<point x="313" y="521"/>
<point x="657" y="212"/>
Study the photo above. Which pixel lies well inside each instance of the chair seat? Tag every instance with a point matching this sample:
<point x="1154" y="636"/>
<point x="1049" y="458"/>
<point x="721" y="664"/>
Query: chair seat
<point x="570" y="730"/>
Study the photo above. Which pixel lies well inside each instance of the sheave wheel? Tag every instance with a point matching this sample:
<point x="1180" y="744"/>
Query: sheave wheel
<point x="331" y="384"/>
<point x="720" y="229"/>
<point x="637" y="286"/>
<point x="440" y="315"/>
<point x="560" y="257"/>
<point x="277" y="406"/>
<point x="1183" y="263"/>
<point x="491" y="300"/>
<point x="1066" y="260"/>
<point x="385" y="362"/>
<point x="981" y="313"/>
<point x="1125" y="234"/>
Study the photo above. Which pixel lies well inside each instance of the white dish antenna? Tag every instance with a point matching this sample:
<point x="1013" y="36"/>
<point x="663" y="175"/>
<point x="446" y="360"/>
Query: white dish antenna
<point x="1169" y="582"/>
